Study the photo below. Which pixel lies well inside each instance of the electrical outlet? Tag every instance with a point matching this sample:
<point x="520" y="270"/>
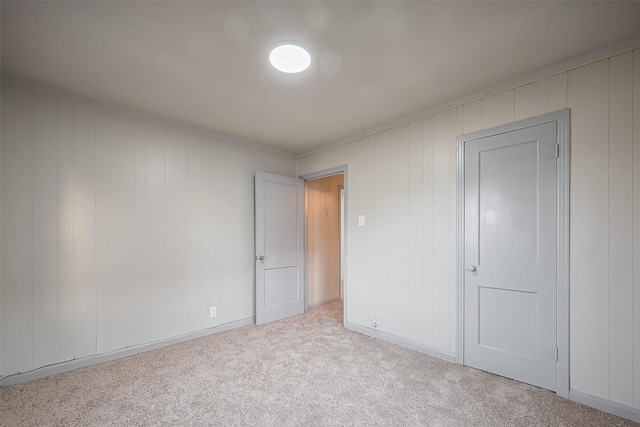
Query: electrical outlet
<point x="213" y="311"/>
<point x="375" y="323"/>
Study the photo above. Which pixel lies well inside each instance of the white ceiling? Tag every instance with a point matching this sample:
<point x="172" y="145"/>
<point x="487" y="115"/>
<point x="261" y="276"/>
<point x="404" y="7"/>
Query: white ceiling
<point x="205" y="64"/>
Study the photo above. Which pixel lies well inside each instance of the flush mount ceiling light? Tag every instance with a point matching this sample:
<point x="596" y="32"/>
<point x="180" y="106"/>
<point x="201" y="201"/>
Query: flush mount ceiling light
<point x="289" y="58"/>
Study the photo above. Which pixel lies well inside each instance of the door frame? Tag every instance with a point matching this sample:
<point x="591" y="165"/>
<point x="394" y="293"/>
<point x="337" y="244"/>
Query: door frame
<point x="562" y="120"/>
<point x="323" y="174"/>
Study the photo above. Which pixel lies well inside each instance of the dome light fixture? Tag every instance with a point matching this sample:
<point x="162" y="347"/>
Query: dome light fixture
<point x="289" y="58"/>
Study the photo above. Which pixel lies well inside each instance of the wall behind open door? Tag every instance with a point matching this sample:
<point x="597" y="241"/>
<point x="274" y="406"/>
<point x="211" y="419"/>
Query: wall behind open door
<point x="323" y="238"/>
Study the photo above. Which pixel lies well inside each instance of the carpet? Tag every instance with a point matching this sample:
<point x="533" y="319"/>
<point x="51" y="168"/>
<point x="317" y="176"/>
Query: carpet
<point x="303" y="371"/>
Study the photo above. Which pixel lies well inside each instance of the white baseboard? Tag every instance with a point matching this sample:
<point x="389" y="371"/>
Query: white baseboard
<point x="70" y="365"/>
<point x="605" y="405"/>
<point x="403" y="342"/>
<point x="323" y="302"/>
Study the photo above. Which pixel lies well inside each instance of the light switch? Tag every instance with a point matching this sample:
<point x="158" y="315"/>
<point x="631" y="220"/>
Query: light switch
<point x="360" y="220"/>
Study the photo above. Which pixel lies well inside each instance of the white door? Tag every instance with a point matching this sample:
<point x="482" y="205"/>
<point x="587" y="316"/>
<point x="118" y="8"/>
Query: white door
<point x="510" y="249"/>
<point x="279" y="247"/>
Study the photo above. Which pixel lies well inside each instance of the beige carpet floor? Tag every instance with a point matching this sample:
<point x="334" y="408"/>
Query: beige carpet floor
<point x="303" y="371"/>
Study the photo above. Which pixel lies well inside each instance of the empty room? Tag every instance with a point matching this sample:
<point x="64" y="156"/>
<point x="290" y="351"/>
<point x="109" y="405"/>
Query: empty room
<point x="275" y="213"/>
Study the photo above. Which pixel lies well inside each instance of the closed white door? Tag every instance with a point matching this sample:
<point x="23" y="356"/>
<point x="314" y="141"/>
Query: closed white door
<point x="279" y="247"/>
<point x="510" y="258"/>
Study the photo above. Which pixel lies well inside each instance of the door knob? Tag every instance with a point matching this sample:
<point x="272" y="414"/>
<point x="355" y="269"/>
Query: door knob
<point x="261" y="258"/>
<point x="472" y="268"/>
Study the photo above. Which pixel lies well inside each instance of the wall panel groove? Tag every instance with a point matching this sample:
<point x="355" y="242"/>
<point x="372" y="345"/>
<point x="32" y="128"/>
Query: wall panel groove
<point x="589" y="263"/>
<point x="636" y="229"/>
<point x="620" y="221"/>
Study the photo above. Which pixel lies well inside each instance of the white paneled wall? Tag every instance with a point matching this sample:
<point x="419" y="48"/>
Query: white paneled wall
<point x="401" y="267"/>
<point x="118" y="231"/>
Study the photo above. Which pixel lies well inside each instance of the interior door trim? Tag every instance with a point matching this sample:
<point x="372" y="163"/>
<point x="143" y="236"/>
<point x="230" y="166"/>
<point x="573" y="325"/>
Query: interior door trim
<point x="562" y="120"/>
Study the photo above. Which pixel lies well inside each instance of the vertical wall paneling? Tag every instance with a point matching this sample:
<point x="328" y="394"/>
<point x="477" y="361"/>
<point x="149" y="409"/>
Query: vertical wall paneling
<point x="155" y="231"/>
<point x="472" y="116"/>
<point x="620" y="222"/>
<point x="309" y="208"/>
<point x="338" y="220"/>
<point x="237" y="293"/>
<point x="118" y="231"/>
<point x="211" y="235"/>
<point x="498" y="109"/>
<point x="444" y="135"/>
<point x="17" y="247"/>
<point x="121" y="230"/>
<point x="372" y="224"/>
<point x="428" y="230"/>
<point x="636" y="229"/>
<point x="84" y="229"/>
<point x="398" y="229"/>
<point x="453" y="167"/>
<point x="103" y="306"/>
<point x="175" y="232"/>
<point x="453" y="233"/>
<point x="141" y="286"/>
<point x="589" y="264"/>
<point x="45" y="229"/>
<point x="359" y="288"/>
<point x="1" y="352"/>
<point x="558" y="92"/>
<point x="229" y="188"/>
<point x="66" y="286"/>
<point x="459" y="122"/>
<point x="317" y="206"/>
<point x="414" y="295"/>
<point x="197" y="311"/>
<point x="381" y="230"/>
<point x="532" y="100"/>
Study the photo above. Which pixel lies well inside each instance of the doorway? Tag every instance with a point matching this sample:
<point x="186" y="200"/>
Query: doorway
<point x="324" y="232"/>
<point x="513" y="184"/>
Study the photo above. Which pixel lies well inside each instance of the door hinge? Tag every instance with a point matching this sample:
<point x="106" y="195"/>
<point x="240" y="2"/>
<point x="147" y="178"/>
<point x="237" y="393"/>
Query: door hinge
<point x="553" y="151"/>
<point x="552" y="353"/>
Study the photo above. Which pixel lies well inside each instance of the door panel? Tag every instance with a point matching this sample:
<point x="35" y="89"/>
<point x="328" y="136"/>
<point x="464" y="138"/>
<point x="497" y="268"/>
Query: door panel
<point x="510" y="254"/>
<point x="279" y="247"/>
<point x="508" y="194"/>
<point x="280" y="285"/>
<point x="517" y="311"/>
<point x="281" y="235"/>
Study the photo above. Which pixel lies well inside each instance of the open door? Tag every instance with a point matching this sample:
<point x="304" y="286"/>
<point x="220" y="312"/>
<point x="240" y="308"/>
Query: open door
<point x="279" y="247"/>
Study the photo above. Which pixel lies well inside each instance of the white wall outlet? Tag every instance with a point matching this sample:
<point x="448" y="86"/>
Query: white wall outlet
<point x="360" y="220"/>
<point x="213" y="311"/>
<point x="375" y="323"/>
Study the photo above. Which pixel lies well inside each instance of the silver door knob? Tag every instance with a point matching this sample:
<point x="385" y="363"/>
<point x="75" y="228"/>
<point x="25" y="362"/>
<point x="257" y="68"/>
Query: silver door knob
<point x="261" y="258"/>
<point x="472" y="268"/>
